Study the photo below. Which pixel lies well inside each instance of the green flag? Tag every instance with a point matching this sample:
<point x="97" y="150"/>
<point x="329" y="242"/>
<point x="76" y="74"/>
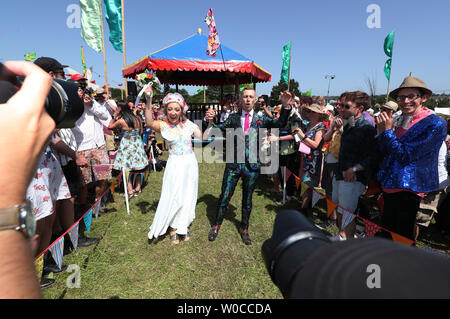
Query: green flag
<point x="309" y="93"/>
<point x="30" y="56"/>
<point x="200" y="90"/>
<point x="91" y="24"/>
<point x="286" y="56"/>
<point x="389" y="44"/>
<point x="113" y="15"/>
<point x="243" y="86"/>
<point x="387" y="69"/>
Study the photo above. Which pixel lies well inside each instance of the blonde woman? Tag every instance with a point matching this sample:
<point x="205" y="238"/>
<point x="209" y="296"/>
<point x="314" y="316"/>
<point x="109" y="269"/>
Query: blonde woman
<point x="176" y="207"/>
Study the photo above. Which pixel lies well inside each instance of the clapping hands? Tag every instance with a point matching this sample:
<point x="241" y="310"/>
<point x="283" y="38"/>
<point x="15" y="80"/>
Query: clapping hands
<point x="210" y="115"/>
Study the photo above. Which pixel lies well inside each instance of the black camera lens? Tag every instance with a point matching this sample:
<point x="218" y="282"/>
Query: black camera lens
<point x="63" y="103"/>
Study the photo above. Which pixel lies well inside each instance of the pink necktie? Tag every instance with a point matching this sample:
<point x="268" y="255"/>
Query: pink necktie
<point x="247" y="123"/>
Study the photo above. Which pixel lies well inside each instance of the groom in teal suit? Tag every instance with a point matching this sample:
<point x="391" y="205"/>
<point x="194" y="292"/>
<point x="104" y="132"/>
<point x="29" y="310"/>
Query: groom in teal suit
<point x="245" y="126"/>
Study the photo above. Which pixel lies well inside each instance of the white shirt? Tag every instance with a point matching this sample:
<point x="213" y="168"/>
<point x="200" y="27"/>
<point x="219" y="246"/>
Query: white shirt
<point x="243" y="115"/>
<point x="67" y="137"/>
<point x="88" y="128"/>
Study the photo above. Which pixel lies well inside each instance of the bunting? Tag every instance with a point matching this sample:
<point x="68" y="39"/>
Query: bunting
<point x="73" y="234"/>
<point x="371" y="228"/>
<point x="88" y="220"/>
<point x="57" y="250"/>
<point x="304" y="189"/>
<point x="347" y="217"/>
<point x="330" y="207"/>
<point x="315" y="198"/>
<point x="39" y="266"/>
<point x="401" y="239"/>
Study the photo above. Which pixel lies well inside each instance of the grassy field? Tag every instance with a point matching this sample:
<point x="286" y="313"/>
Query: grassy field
<point x="124" y="265"/>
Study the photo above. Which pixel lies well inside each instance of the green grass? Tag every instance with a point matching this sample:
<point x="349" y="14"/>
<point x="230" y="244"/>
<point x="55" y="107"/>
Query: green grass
<point x="124" y="265"/>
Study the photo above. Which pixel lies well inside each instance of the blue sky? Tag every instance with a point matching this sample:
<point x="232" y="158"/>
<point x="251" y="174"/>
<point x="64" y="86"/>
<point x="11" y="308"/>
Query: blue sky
<point x="328" y="37"/>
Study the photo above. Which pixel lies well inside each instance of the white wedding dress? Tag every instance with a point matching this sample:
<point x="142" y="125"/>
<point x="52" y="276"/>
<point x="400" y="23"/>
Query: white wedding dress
<point x="176" y="207"/>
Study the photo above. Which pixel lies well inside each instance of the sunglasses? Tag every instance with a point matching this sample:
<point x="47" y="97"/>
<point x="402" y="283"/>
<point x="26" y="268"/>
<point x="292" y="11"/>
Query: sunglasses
<point x="410" y="97"/>
<point x="347" y="106"/>
<point x="274" y="113"/>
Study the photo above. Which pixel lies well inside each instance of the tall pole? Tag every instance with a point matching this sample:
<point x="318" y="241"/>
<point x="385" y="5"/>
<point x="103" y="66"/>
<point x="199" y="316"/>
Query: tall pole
<point x="104" y="53"/>
<point x="330" y="77"/>
<point x="123" y="48"/>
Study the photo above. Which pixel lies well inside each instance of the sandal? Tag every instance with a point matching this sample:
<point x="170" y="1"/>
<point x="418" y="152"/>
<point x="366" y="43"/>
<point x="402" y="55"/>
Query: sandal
<point x="174" y="239"/>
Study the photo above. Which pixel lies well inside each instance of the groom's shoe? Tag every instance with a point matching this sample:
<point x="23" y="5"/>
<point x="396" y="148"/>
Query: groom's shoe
<point x="245" y="237"/>
<point x="213" y="232"/>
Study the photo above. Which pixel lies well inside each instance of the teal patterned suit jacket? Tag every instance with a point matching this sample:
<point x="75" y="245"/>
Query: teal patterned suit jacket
<point x="251" y="140"/>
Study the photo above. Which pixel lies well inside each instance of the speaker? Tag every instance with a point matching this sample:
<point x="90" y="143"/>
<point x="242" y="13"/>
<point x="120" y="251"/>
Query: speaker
<point x="132" y="89"/>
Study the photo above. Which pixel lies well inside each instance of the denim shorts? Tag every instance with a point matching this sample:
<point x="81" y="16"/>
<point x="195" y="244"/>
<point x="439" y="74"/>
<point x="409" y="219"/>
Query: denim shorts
<point x="346" y="194"/>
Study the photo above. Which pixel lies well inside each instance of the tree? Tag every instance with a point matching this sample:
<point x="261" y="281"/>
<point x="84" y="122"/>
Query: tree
<point x="294" y="87"/>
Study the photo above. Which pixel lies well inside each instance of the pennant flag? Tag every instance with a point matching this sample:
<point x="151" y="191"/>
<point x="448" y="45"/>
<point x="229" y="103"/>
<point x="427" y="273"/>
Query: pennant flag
<point x="88" y="220"/>
<point x="200" y="90"/>
<point x="297" y="181"/>
<point x="39" y="266"/>
<point x="387" y="69"/>
<point x="73" y="234"/>
<point x="288" y="174"/>
<point x="30" y="56"/>
<point x="213" y="39"/>
<point x="57" y="251"/>
<point x="113" y="15"/>
<point x="347" y="217"/>
<point x="286" y="57"/>
<point x="315" y="198"/>
<point x="330" y="207"/>
<point x="400" y="239"/>
<point x="389" y="44"/>
<point x="91" y="24"/>
<point x="304" y="188"/>
<point x="371" y="228"/>
<point x="120" y="84"/>
<point x="93" y="82"/>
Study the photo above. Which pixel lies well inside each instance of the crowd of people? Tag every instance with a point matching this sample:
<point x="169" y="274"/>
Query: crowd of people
<point x="398" y="152"/>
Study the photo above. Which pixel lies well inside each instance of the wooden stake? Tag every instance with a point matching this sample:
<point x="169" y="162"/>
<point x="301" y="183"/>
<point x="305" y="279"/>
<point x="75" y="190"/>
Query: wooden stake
<point x="123" y="48"/>
<point x="104" y="53"/>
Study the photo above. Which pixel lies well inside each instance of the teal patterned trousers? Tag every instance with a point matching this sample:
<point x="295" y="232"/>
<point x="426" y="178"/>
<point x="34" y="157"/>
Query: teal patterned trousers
<point x="230" y="179"/>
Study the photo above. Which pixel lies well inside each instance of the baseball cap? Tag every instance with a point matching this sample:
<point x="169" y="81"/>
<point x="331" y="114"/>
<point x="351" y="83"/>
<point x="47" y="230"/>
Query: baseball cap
<point x="77" y="77"/>
<point x="49" y="64"/>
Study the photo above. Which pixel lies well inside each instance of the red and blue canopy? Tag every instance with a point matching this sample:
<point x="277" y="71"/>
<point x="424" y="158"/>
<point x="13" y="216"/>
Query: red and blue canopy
<point x="186" y="63"/>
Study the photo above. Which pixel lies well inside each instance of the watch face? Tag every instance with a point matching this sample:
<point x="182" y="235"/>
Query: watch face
<point x="28" y="219"/>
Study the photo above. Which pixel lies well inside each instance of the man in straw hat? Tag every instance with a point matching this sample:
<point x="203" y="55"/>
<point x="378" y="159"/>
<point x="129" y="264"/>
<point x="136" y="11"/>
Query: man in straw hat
<point x="357" y="157"/>
<point x="410" y="156"/>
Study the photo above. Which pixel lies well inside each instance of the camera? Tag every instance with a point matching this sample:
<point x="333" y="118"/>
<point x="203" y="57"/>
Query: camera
<point x="63" y="103"/>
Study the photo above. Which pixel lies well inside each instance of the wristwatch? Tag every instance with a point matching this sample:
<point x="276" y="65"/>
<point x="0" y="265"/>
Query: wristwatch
<point x="19" y="217"/>
<point x="355" y="169"/>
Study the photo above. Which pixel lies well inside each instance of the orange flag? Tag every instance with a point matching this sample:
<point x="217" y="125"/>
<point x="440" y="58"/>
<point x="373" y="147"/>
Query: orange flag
<point x="330" y="207"/>
<point x="297" y="181"/>
<point x="400" y="239"/>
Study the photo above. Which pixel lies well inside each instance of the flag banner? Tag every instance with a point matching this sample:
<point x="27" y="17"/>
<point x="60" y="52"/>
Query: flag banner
<point x="286" y="58"/>
<point x="309" y="93"/>
<point x="243" y="86"/>
<point x="330" y="207"/>
<point x="83" y="63"/>
<point x="73" y="234"/>
<point x="91" y="24"/>
<point x="297" y="181"/>
<point x="88" y="220"/>
<point x="97" y="208"/>
<point x="213" y="39"/>
<point x="30" y="56"/>
<point x="315" y="198"/>
<point x="389" y="44"/>
<point x="39" y="266"/>
<point x="113" y="15"/>
<point x="347" y="217"/>
<point x="387" y="69"/>
<point x="371" y="228"/>
<point x="288" y="174"/>
<point x="57" y="250"/>
<point x="400" y="239"/>
<point x="304" y="189"/>
<point x="200" y="91"/>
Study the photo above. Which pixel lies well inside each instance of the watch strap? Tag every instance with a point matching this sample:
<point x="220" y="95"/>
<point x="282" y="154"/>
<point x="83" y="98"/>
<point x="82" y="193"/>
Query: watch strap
<point x="9" y="218"/>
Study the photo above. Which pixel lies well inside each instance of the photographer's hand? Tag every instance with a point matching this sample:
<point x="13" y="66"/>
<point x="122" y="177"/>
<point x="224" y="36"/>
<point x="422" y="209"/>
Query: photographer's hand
<point x="26" y="129"/>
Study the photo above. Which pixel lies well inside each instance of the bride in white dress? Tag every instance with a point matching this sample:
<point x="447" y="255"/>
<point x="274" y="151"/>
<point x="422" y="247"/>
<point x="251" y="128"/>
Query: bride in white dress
<point x="176" y="207"/>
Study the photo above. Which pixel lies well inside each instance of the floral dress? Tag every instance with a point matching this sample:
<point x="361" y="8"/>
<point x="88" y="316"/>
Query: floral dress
<point x="312" y="162"/>
<point x="131" y="155"/>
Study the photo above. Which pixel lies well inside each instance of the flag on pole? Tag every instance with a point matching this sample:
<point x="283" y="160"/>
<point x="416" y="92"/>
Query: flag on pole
<point x="286" y="57"/>
<point x="213" y="39"/>
<point x="200" y="90"/>
<point x="91" y="24"/>
<point x="83" y="62"/>
<point x="57" y="251"/>
<point x="30" y="56"/>
<point x="388" y="49"/>
<point x="243" y="86"/>
<point x="113" y="15"/>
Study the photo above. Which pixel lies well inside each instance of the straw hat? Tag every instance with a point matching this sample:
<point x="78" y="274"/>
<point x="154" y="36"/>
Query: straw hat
<point x="317" y="109"/>
<point x="412" y="82"/>
<point x="391" y="105"/>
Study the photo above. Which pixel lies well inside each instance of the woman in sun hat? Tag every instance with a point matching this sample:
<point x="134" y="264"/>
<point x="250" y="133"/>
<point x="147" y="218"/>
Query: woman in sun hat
<point x="409" y="168"/>
<point x="311" y="142"/>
